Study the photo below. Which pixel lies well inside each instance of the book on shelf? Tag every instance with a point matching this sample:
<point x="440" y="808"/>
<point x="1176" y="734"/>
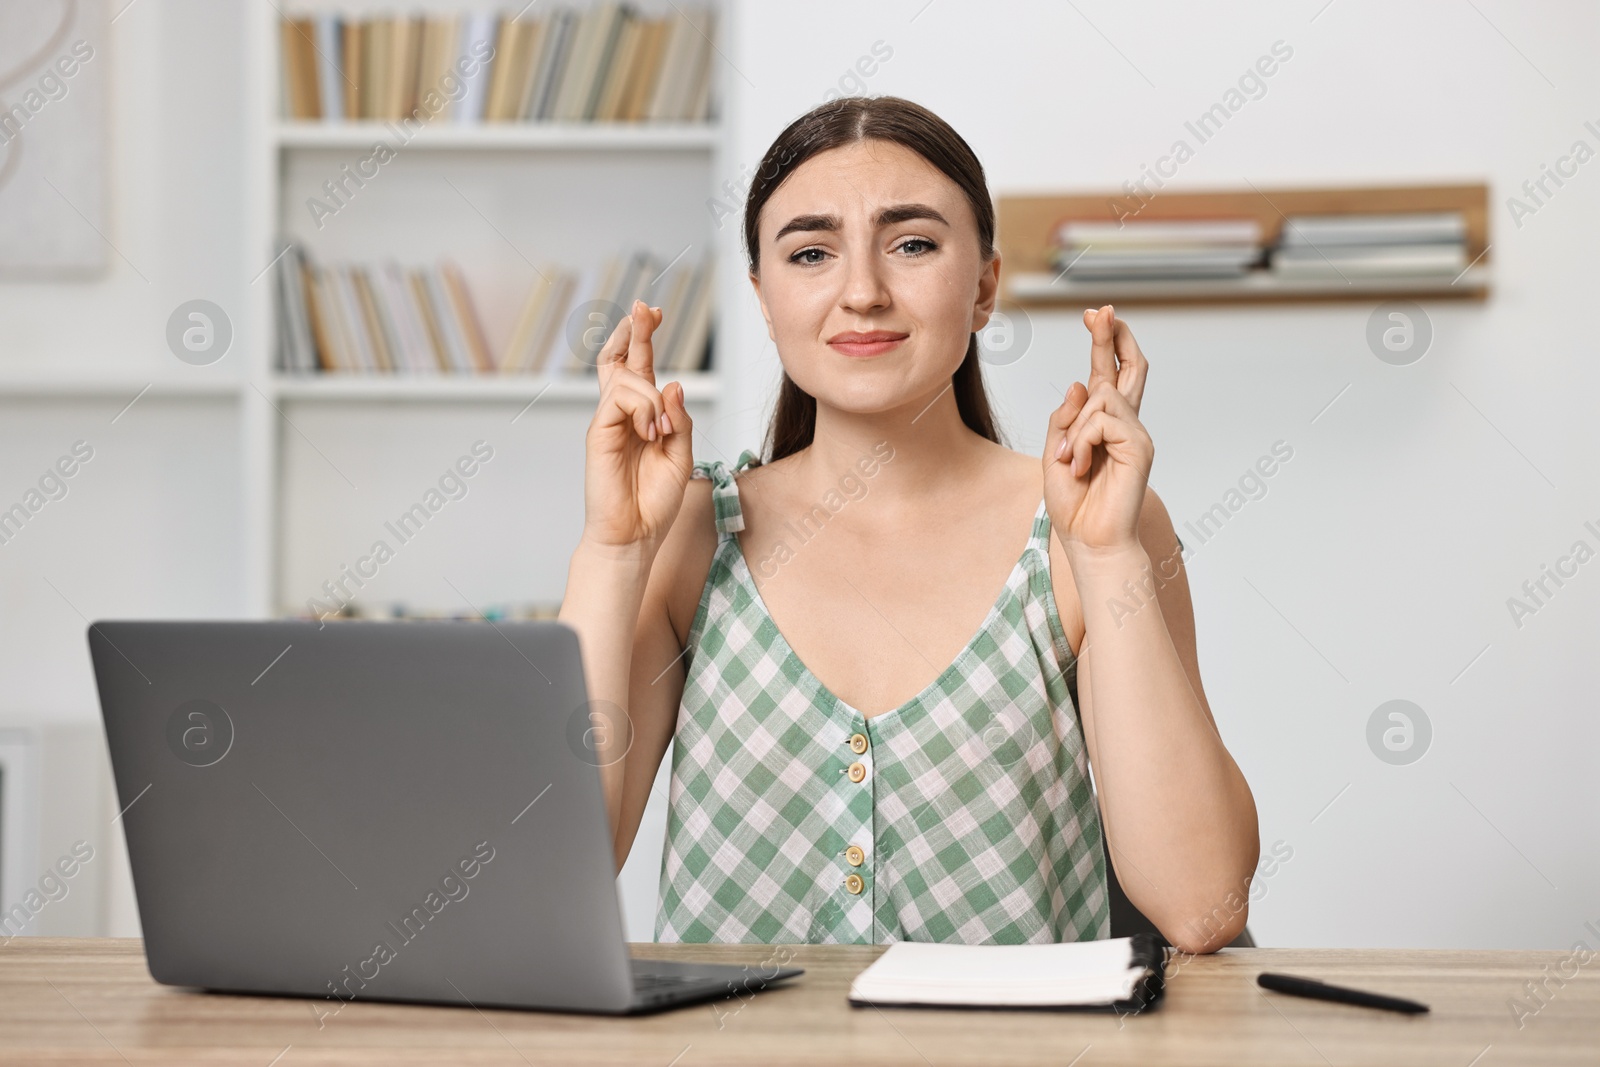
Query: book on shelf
<point x="379" y="351"/>
<point x="641" y="79"/>
<point x="386" y="318"/>
<point x="413" y="346"/>
<point x="1400" y="228"/>
<point x="686" y="56"/>
<point x="1158" y="233"/>
<point x="1169" y="248"/>
<point x="533" y="332"/>
<point x="478" y="33"/>
<point x="549" y="64"/>
<point x="451" y="330"/>
<point x="591" y="44"/>
<point x="423" y="307"/>
<point x="605" y="292"/>
<point x="295" y="340"/>
<point x="465" y="315"/>
<point x="375" y="54"/>
<point x="624" y="61"/>
<point x="302" y="97"/>
<point x="405" y="43"/>
<point x="606" y="63"/>
<point x="329" y="72"/>
<point x="350" y="39"/>
<point x="440" y="49"/>
<point x="507" y="77"/>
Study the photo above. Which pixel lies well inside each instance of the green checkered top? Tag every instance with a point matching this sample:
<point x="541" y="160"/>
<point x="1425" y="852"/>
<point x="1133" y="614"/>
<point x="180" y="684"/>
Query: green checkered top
<point x="964" y="815"/>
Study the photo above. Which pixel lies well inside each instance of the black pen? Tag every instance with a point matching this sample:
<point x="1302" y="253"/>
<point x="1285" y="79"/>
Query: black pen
<point x="1310" y="987"/>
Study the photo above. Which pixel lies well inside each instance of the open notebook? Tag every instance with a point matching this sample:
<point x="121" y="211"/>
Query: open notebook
<point x="1119" y="974"/>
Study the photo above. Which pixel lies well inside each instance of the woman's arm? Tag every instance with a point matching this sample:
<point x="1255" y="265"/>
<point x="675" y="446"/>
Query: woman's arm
<point x="606" y="587"/>
<point x="1179" y="817"/>
<point x="655" y="661"/>
<point x="1180" y="821"/>
<point x="636" y="466"/>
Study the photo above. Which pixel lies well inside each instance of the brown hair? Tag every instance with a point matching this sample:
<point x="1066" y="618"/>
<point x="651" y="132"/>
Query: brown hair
<point x="843" y="122"/>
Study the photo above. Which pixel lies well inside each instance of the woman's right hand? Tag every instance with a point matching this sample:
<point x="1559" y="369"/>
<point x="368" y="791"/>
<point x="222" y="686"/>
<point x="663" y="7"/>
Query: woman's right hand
<point x="638" y="449"/>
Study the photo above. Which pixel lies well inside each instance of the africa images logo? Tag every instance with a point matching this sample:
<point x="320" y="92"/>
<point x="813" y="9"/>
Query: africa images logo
<point x="452" y="888"/>
<point x="199" y="732"/>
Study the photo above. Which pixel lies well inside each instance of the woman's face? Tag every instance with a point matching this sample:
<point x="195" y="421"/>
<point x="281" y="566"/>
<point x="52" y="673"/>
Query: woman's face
<point x="871" y="277"/>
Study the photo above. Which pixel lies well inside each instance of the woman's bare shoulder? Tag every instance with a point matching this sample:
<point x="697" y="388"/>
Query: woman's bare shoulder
<point x="685" y="557"/>
<point x="1022" y="475"/>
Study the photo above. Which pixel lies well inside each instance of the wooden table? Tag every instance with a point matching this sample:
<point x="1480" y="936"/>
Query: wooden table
<point x="92" y="1001"/>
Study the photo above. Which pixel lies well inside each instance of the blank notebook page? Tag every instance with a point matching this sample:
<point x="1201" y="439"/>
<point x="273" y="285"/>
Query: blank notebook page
<point x="1069" y="973"/>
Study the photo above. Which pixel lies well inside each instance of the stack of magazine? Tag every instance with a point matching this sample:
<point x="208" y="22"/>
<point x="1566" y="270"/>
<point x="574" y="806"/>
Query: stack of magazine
<point x="1409" y="245"/>
<point x="1156" y="249"/>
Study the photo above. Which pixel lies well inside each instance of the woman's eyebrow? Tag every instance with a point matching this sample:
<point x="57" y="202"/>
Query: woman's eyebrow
<point x="906" y="212"/>
<point x="887" y="217"/>
<point x="808" y="224"/>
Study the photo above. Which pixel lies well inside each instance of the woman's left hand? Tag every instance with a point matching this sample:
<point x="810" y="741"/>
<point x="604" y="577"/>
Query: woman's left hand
<point x="1097" y="454"/>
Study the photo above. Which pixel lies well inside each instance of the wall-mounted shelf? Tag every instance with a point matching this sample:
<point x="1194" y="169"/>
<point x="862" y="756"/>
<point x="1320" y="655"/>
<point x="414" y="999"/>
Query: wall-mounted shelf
<point x="1026" y="225"/>
<point x="538" y="136"/>
<point x="1257" y="286"/>
<point x="96" y="384"/>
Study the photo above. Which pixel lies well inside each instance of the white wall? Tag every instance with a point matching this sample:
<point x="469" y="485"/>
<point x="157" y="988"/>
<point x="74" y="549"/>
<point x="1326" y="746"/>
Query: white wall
<point x="1405" y="519"/>
<point x="150" y="526"/>
<point x="1390" y="541"/>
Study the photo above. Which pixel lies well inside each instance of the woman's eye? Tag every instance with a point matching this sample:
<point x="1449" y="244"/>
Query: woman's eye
<point x="808" y="256"/>
<point x="917" y="246"/>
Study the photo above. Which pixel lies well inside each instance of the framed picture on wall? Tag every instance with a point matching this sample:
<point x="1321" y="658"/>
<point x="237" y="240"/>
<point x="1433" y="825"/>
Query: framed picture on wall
<point x="54" y="144"/>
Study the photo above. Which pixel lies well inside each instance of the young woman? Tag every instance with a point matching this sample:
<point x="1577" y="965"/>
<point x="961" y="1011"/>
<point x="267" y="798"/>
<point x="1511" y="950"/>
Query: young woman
<point x="890" y="653"/>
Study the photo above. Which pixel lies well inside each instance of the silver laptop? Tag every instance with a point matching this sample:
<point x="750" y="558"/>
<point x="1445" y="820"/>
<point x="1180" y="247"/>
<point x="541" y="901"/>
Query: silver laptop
<point x="375" y="810"/>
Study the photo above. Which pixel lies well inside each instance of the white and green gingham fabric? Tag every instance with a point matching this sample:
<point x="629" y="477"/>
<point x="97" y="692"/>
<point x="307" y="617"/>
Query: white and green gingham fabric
<point x="975" y="817"/>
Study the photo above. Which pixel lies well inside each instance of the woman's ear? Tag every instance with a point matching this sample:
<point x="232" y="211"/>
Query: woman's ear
<point x="988" y="292"/>
<point x="755" y="283"/>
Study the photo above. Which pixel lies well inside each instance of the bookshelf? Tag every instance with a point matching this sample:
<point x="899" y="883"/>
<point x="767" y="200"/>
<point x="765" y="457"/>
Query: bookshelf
<point x="86" y="383"/>
<point x="1025" y="224"/>
<point x="524" y="136"/>
<point x="501" y="198"/>
<point x="522" y="388"/>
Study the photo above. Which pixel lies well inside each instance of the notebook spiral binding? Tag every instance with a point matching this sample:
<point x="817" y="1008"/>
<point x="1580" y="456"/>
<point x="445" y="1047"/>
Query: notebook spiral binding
<point x="1150" y="951"/>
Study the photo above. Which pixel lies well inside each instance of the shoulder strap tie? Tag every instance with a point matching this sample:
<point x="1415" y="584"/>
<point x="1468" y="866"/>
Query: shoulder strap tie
<point x="725" y="491"/>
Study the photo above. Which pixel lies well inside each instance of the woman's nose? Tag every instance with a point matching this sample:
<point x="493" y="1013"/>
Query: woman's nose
<point x="865" y="287"/>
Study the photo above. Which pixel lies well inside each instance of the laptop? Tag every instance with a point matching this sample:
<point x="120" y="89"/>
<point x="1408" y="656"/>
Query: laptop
<point x="406" y="811"/>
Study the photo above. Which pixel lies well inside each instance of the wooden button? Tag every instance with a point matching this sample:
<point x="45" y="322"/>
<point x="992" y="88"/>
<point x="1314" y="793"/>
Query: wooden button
<point x="854" y="884"/>
<point x="857" y="772"/>
<point x="855" y="856"/>
<point x="858" y="743"/>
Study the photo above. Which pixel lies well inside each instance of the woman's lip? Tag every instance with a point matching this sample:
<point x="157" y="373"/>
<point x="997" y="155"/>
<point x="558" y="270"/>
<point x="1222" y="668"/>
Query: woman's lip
<point x="867" y="348"/>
